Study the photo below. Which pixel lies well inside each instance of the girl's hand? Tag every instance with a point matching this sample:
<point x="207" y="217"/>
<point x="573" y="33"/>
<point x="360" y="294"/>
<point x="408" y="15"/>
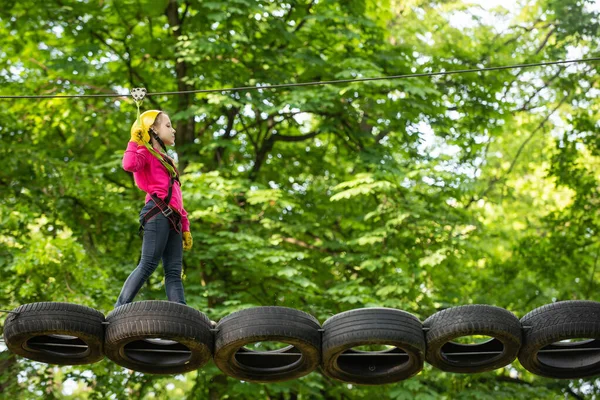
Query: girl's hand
<point x="138" y="136"/>
<point x="187" y="240"/>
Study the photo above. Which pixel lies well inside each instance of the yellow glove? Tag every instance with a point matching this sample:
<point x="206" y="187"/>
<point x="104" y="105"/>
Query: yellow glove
<point x="187" y="240"/>
<point x="139" y="129"/>
<point x="138" y="136"/>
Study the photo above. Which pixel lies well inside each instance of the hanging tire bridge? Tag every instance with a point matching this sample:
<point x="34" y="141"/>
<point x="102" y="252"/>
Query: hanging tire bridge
<point x="369" y="346"/>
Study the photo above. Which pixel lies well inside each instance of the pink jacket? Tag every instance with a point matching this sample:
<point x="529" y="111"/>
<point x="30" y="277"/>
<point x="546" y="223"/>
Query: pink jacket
<point x="152" y="177"/>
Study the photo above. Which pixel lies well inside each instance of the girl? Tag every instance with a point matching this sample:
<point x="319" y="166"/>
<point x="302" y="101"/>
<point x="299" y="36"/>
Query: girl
<point x="163" y="219"/>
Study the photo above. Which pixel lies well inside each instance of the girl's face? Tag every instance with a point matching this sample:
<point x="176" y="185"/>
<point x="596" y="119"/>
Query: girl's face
<point x="164" y="130"/>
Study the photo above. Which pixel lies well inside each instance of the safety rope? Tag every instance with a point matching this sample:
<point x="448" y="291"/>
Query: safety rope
<point x="317" y="83"/>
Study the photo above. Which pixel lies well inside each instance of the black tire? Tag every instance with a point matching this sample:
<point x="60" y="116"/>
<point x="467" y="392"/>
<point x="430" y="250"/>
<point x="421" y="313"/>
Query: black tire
<point x="479" y="319"/>
<point x="134" y="330"/>
<point x="275" y="324"/>
<point x="369" y="326"/>
<point x="546" y="326"/>
<point x="56" y="333"/>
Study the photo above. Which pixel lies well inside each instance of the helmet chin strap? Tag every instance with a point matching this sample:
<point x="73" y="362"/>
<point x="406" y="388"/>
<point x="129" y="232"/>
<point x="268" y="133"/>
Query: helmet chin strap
<point x="159" y="140"/>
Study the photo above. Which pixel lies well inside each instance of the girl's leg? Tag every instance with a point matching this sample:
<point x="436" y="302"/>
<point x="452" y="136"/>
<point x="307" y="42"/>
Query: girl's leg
<point x="172" y="259"/>
<point x="156" y="235"/>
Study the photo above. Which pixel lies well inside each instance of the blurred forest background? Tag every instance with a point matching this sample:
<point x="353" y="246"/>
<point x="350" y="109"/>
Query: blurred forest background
<point x="417" y="194"/>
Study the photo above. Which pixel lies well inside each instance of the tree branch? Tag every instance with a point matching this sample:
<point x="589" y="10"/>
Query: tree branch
<point x="286" y="117"/>
<point x="294" y="138"/>
<point x="127" y="61"/>
<point x="526" y="30"/>
<point x="541" y="46"/>
<point x="231" y="114"/>
<point x="185" y="13"/>
<point x="301" y="24"/>
<point x="572" y="393"/>
<point x="268" y="146"/>
<point x="545" y="85"/>
<point x="519" y="151"/>
<point x="98" y="88"/>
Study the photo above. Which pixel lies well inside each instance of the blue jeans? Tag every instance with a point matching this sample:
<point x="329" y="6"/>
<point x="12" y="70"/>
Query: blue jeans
<point x="159" y="242"/>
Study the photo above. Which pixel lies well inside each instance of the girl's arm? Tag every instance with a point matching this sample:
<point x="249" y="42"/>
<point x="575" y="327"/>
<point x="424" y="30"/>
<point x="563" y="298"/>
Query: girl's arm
<point x="185" y="222"/>
<point x="186" y="235"/>
<point x="135" y="157"/>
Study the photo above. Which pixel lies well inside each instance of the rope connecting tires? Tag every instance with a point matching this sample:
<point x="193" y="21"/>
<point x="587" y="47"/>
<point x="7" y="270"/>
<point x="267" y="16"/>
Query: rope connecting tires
<point x="368" y="346"/>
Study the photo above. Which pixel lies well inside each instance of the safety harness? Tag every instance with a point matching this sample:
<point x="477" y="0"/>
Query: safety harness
<point x="162" y="206"/>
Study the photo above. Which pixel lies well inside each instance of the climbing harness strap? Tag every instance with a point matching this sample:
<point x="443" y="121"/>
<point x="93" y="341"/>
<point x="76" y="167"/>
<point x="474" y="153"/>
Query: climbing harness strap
<point x="162" y="206"/>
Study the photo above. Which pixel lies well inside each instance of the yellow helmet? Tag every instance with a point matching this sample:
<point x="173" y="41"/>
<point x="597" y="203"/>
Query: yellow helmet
<point x="144" y="123"/>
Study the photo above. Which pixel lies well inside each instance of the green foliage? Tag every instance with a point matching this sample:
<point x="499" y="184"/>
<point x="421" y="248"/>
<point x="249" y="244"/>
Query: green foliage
<point x="417" y="194"/>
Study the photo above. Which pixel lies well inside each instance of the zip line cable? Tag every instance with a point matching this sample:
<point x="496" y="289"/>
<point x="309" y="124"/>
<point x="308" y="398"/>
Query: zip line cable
<point x="317" y="83"/>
